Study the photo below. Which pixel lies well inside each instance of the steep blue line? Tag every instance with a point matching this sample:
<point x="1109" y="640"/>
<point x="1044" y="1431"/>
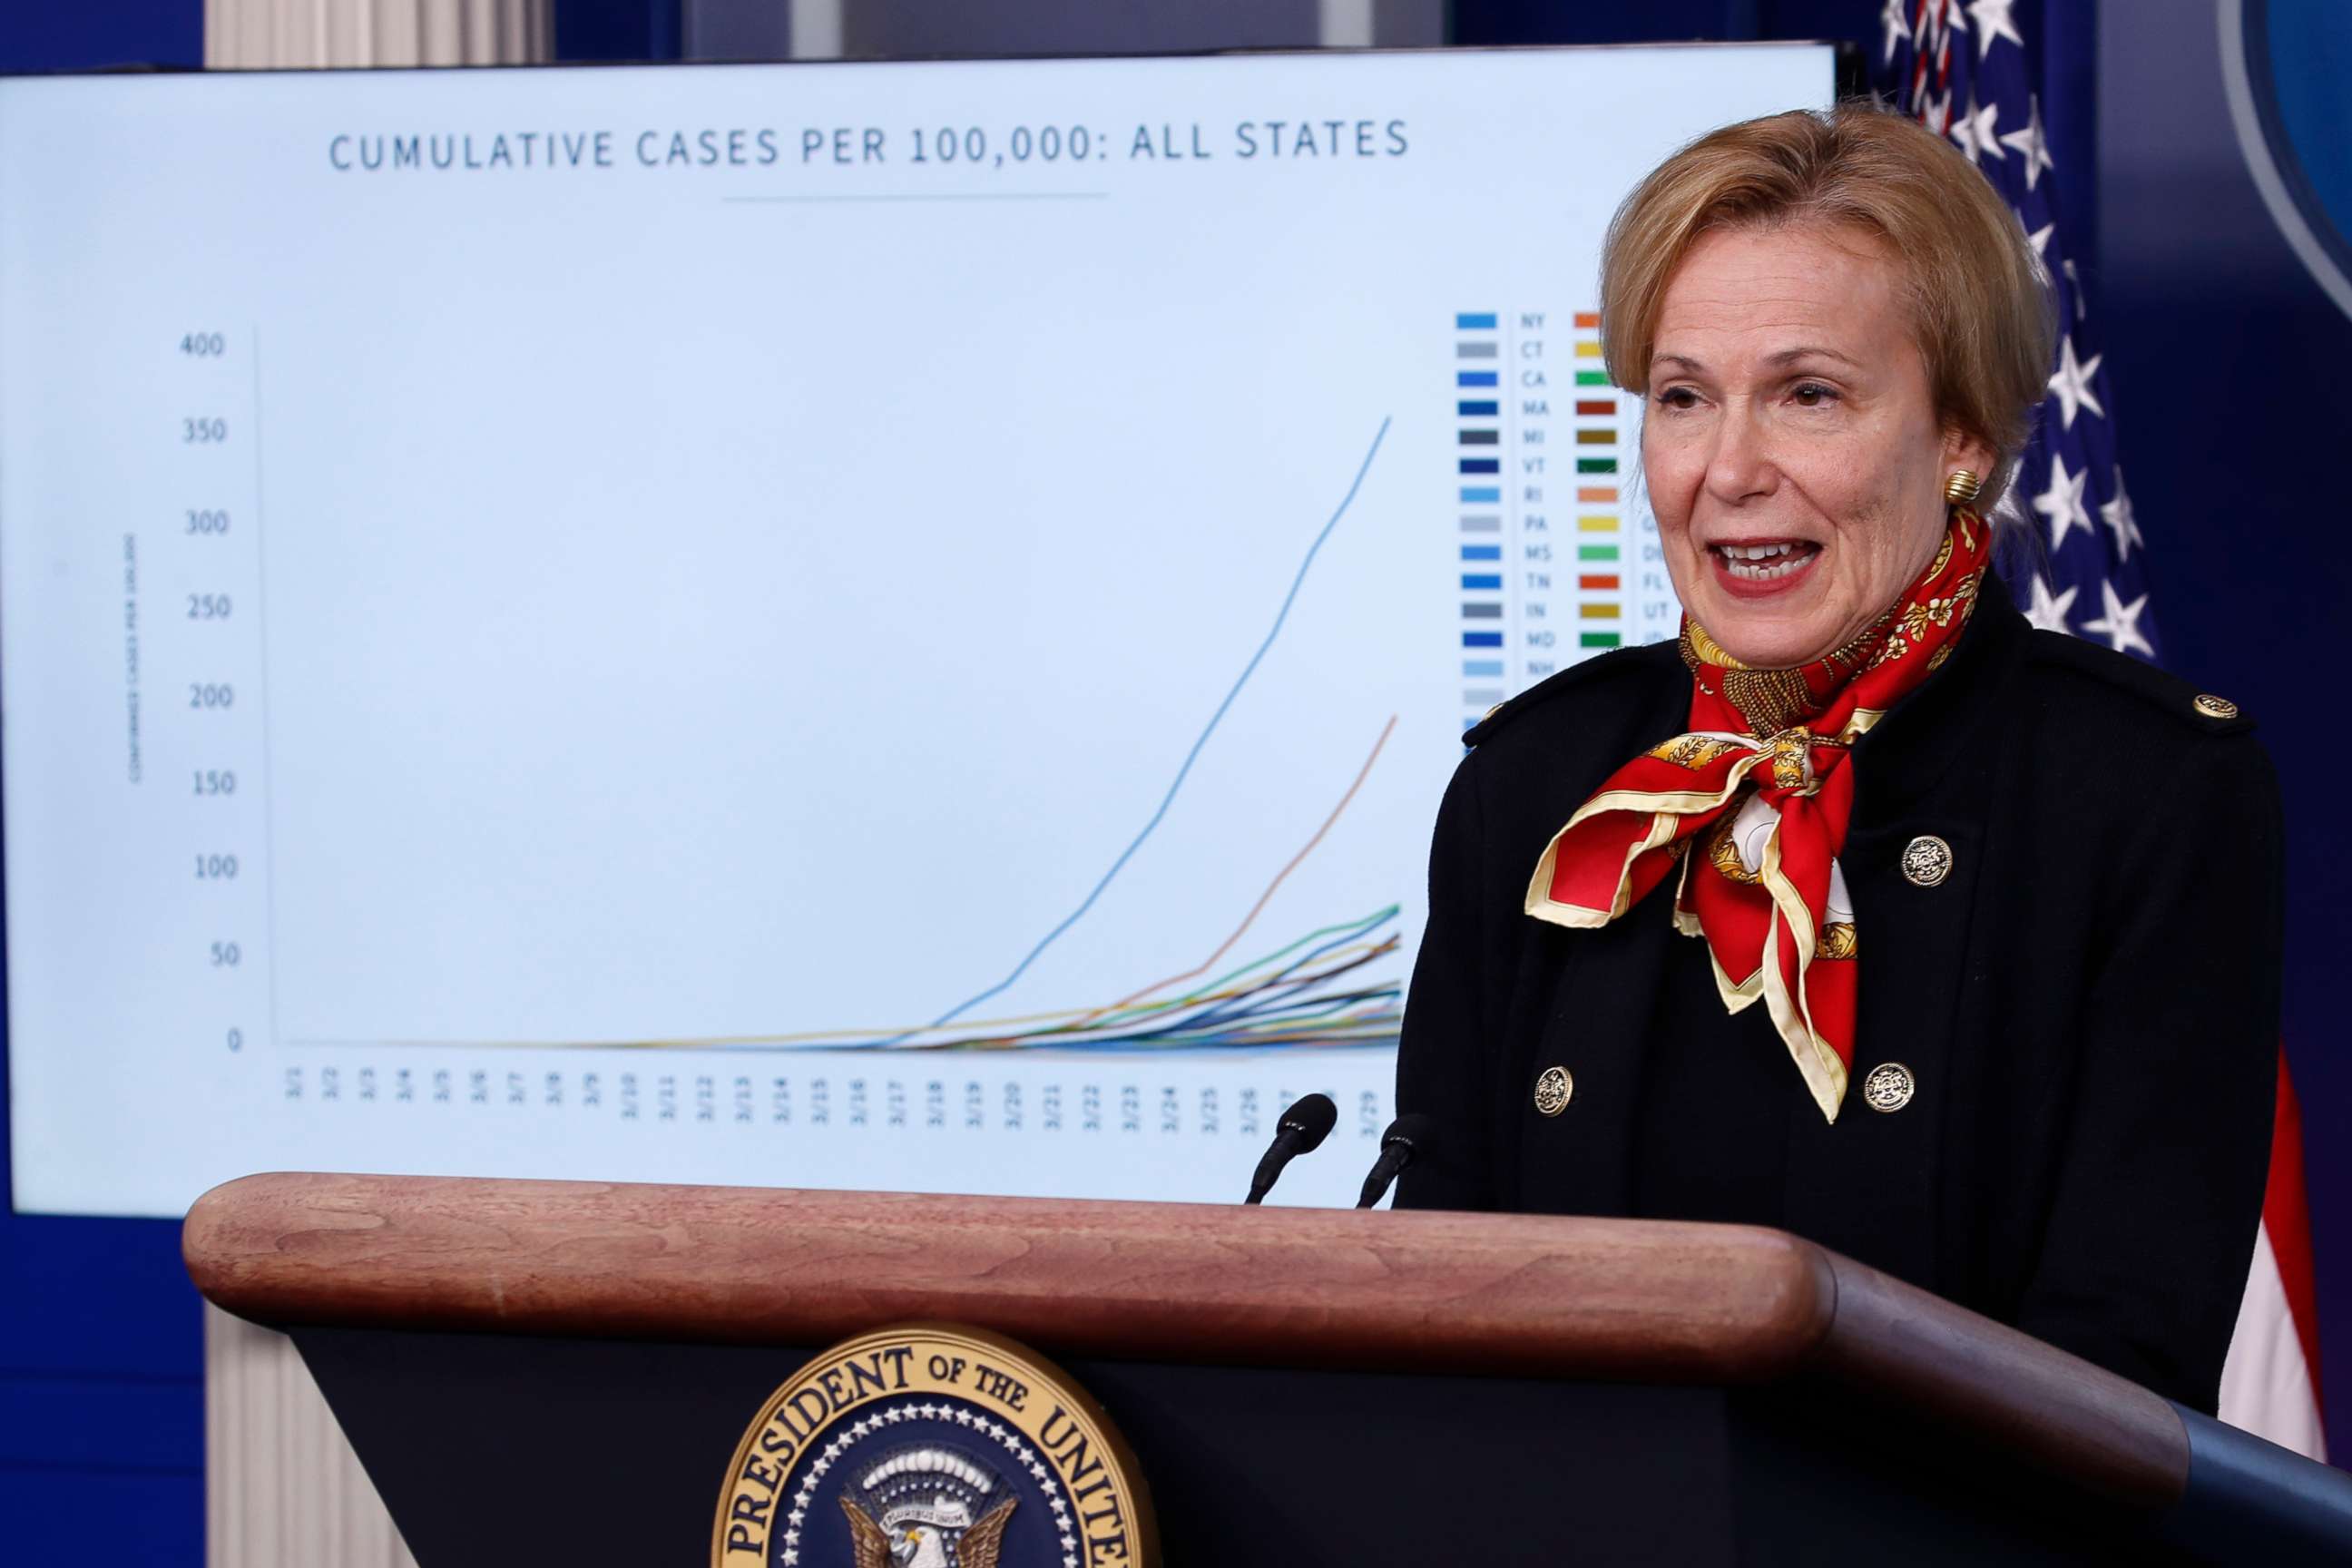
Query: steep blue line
<point x="1190" y="757"/>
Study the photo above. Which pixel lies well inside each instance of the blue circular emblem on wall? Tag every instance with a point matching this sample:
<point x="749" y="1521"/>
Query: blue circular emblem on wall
<point x="2287" y="65"/>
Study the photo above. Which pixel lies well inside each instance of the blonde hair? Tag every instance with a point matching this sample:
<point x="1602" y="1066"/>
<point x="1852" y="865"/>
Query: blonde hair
<point x="1980" y="303"/>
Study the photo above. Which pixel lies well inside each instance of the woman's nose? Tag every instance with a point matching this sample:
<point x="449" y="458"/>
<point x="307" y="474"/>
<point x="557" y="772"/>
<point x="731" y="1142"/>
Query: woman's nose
<point x="1740" y="466"/>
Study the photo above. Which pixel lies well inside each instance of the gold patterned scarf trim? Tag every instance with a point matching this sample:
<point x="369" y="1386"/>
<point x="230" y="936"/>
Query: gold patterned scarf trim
<point x="1772" y="701"/>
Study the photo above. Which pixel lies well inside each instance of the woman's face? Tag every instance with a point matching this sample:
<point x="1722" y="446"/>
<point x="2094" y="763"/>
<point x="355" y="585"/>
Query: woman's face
<point x="1790" y="443"/>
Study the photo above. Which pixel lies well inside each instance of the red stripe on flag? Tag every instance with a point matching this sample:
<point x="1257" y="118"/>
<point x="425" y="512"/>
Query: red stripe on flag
<point x="2286" y="1214"/>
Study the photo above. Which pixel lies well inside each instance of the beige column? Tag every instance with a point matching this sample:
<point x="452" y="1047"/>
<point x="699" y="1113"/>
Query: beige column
<point x="282" y="1488"/>
<point x="252" y="34"/>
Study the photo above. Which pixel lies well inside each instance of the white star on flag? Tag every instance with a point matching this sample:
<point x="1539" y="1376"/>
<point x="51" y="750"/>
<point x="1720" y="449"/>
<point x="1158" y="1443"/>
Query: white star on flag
<point x="1992" y="22"/>
<point x="2061" y="503"/>
<point x="1898" y="30"/>
<point x="1987" y="100"/>
<point x="2072" y="382"/>
<point x="1974" y="131"/>
<point x="2049" y="612"/>
<point x="2118" y="515"/>
<point x="1936" y="111"/>
<point x="2120" y="623"/>
<point x="2031" y="142"/>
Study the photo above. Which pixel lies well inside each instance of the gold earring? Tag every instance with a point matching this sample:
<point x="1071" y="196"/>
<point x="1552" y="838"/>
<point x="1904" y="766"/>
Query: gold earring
<point x="1962" y="487"/>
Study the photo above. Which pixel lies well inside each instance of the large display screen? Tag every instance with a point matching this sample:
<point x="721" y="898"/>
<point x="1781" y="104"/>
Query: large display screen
<point x="875" y="625"/>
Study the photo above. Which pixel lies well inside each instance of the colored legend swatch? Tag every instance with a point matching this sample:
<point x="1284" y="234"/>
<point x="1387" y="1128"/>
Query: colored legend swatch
<point x="1600" y="595"/>
<point x="1479" y="335"/>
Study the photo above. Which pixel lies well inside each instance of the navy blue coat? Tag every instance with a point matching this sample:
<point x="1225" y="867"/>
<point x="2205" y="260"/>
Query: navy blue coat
<point x="2088" y="1003"/>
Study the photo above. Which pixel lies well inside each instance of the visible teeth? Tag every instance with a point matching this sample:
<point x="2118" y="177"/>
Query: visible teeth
<point x="1747" y="562"/>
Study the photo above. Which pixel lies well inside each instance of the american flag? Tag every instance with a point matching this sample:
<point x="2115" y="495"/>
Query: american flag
<point x="1963" y="69"/>
<point x="1966" y="68"/>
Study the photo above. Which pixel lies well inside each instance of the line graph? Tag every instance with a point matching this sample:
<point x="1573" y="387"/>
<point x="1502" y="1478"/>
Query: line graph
<point x="1311" y="990"/>
<point x="1183" y="772"/>
<point x="1269" y="1000"/>
<point x="1280" y="877"/>
<point x="852" y="720"/>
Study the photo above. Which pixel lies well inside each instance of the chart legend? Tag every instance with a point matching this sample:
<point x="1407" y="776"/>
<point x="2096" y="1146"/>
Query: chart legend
<point x="1559" y="559"/>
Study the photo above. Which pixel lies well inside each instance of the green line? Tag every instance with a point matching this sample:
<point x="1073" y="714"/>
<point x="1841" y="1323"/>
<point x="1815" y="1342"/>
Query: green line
<point x="1210" y="989"/>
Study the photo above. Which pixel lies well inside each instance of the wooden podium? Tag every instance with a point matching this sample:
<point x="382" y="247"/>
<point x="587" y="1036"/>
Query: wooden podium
<point x="553" y="1372"/>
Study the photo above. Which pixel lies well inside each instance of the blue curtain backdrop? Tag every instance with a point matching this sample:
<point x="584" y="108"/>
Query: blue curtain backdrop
<point x="2226" y="361"/>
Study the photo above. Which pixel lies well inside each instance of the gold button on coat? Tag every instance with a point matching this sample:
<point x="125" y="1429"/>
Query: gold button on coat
<point x="1927" y="860"/>
<point x="2214" y="707"/>
<point x="1553" y="1086"/>
<point x="1889" y="1087"/>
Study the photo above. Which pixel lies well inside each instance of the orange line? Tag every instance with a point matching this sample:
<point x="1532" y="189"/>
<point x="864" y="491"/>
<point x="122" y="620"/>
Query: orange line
<point x="1263" y="899"/>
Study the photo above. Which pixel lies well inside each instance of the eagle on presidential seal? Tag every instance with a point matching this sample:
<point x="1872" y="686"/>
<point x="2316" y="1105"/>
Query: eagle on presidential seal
<point x="926" y="1508"/>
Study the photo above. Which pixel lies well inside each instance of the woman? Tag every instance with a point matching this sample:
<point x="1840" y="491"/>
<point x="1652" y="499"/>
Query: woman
<point x="1866" y="911"/>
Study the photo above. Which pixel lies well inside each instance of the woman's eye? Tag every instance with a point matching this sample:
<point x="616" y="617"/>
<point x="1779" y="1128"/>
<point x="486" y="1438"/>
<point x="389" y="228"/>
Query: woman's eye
<point x="1812" y="394"/>
<point x="1677" y="398"/>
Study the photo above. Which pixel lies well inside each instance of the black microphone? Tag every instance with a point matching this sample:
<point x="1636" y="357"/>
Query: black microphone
<point x="1301" y="1131"/>
<point x="1407" y="1136"/>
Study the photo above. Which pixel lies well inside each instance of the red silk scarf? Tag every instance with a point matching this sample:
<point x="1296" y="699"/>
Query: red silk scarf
<point x="1754" y="803"/>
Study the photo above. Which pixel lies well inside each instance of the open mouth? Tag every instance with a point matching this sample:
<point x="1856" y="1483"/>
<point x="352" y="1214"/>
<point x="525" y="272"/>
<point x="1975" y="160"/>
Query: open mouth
<point x="1763" y="564"/>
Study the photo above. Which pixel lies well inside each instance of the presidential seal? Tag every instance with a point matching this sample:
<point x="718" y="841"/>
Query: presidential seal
<point x="932" y="1446"/>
